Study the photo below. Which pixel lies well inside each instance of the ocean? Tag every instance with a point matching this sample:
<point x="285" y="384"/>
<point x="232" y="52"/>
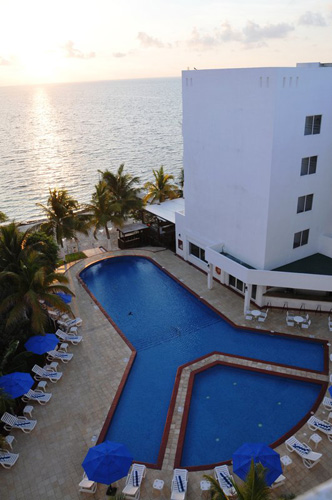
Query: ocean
<point x="60" y="136"/>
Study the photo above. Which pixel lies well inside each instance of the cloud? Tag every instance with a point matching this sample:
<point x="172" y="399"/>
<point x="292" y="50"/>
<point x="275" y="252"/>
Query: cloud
<point x="251" y="33"/>
<point x="148" y="41"/>
<point x="312" y="19"/>
<point x="119" y="54"/>
<point x="254" y="33"/>
<point x="4" y="62"/>
<point x="71" y="51"/>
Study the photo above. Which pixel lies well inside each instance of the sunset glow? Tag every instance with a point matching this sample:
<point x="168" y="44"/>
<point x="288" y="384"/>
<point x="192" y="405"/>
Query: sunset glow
<point x="44" y="42"/>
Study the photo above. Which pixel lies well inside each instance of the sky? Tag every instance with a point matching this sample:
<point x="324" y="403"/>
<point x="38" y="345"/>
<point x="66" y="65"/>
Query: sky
<point x="47" y="41"/>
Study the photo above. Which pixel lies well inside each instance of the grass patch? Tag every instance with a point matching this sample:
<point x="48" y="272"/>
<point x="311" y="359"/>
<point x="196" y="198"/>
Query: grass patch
<point x="71" y="257"/>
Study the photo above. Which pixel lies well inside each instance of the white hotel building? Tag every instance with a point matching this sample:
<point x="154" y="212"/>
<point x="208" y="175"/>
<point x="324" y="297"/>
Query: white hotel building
<point x="258" y="182"/>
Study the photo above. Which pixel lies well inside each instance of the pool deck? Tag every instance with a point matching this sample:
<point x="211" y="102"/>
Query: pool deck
<point x="50" y="459"/>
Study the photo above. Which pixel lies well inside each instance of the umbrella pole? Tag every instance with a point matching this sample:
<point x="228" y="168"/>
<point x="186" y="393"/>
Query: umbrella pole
<point x="111" y="490"/>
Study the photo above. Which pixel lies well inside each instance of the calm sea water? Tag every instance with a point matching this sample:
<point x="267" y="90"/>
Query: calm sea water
<point x="60" y="135"/>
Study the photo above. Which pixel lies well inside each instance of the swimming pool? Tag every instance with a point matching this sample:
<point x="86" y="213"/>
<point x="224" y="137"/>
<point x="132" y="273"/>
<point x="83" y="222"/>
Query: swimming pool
<point x="168" y="327"/>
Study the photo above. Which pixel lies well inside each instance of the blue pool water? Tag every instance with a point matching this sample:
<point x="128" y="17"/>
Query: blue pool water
<point x="262" y="417"/>
<point x="168" y="327"/>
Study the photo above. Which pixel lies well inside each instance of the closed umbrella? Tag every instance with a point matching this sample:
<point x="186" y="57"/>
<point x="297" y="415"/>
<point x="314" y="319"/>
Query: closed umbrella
<point x="16" y="384"/>
<point x="39" y="344"/>
<point x="107" y="462"/>
<point x="260" y="453"/>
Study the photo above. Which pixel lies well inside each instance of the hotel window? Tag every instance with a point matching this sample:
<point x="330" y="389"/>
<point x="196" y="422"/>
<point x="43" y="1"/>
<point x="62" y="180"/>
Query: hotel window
<point x="304" y="203"/>
<point x="301" y="238"/>
<point x="197" y="252"/>
<point x="312" y="125"/>
<point x="308" y="165"/>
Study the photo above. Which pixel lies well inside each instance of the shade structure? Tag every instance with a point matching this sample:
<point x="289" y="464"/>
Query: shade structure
<point x="39" y="344"/>
<point x="260" y="453"/>
<point x="107" y="462"/>
<point x="64" y="296"/>
<point x="16" y="384"/>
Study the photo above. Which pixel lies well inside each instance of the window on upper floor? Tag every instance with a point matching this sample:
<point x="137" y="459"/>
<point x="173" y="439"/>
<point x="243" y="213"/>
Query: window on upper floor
<point x="312" y="125"/>
<point x="308" y="165"/>
<point x="304" y="203"/>
<point x="301" y="238"/>
<point x="197" y="251"/>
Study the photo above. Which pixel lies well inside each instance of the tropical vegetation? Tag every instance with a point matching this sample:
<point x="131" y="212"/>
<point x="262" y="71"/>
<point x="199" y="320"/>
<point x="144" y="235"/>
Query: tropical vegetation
<point x="161" y="189"/>
<point x="104" y="209"/>
<point x="253" y="488"/>
<point x="63" y="217"/>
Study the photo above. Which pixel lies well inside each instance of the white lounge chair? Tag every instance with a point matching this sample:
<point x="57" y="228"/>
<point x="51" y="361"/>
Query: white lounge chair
<point x="87" y="486"/>
<point x="73" y="339"/>
<point x="68" y="324"/>
<point x="7" y="460"/>
<point x="57" y="354"/>
<point x="263" y="315"/>
<point x="14" y="422"/>
<point x="309" y="457"/>
<point x="225" y="480"/>
<point x="279" y="481"/>
<point x="40" y="374"/>
<point x="52" y="367"/>
<point x="37" y="395"/>
<point x="134" y="479"/>
<point x="327" y="402"/>
<point x="315" y="424"/>
<point x="179" y="484"/>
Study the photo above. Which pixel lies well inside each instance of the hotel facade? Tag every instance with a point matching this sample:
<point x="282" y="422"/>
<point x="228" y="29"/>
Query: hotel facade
<point x="258" y="182"/>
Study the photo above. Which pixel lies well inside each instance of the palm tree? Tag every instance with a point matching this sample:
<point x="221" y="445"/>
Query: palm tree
<point x="103" y="209"/>
<point x="30" y="286"/>
<point x="123" y="190"/>
<point x="12" y="247"/>
<point x="63" y="219"/>
<point x="253" y="488"/>
<point x="3" y="217"/>
<point x="161" y="189"/>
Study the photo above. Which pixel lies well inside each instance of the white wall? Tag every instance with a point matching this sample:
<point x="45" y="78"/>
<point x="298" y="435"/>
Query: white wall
<point x="243" y="133"/>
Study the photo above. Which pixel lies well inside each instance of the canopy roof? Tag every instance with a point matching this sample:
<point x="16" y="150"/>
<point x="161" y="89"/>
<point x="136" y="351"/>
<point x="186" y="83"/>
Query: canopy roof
<point x="166" y="210"/>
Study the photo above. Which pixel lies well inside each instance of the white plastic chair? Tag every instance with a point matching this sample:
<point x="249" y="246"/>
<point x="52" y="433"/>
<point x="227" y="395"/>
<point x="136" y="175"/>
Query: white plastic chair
<point x="7" y="459"/>
<point x="37" y="395"/>
<point x="40" y="374"/>
<point x="309" y="457"/>
<point x="61" y="355"/>
<point x="134" y="480"/>
<point x="179" y="484"/>
<point x="224" y="478"/>
<point x="14" y="422"/>
<point x="263" y="316"/>
<point x="306" y="324"/>
<point x="87" y="486"/>
<point x="315" y="424"/>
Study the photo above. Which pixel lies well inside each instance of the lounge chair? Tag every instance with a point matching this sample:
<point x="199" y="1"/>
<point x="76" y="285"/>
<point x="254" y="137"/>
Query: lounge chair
<point x="37" y="395"/>
<point x="133" y="482"/>
<point x="225" y="480"/>
<point x="14" y="422"/>
<point x="73" y="339"/>
<point x="40" y="373"/>
<point x="87" y="486"/>
<point x="309" y="457"/>
<point x="179" y="484"/>
<point x="68" y="324"/>
<point x="263" y="315"/>
<point x="7" y="460"/>
<point x="315" y="424"/>
<point x="63" y="356"/>
<point x="279" y="481"/>
<point x="327" y="402"/>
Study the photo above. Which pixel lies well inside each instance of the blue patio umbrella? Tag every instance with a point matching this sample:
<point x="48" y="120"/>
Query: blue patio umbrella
<point x="16" y="384"/>
<point x="260" y="453"/>
<point x="107" y="462"/>
<point x="39" y="344"/>
<point x="64" y="296"/>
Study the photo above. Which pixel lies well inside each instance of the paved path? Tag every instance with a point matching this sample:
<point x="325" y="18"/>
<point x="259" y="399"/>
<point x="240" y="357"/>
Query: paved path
<point x="50" y="459"/>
